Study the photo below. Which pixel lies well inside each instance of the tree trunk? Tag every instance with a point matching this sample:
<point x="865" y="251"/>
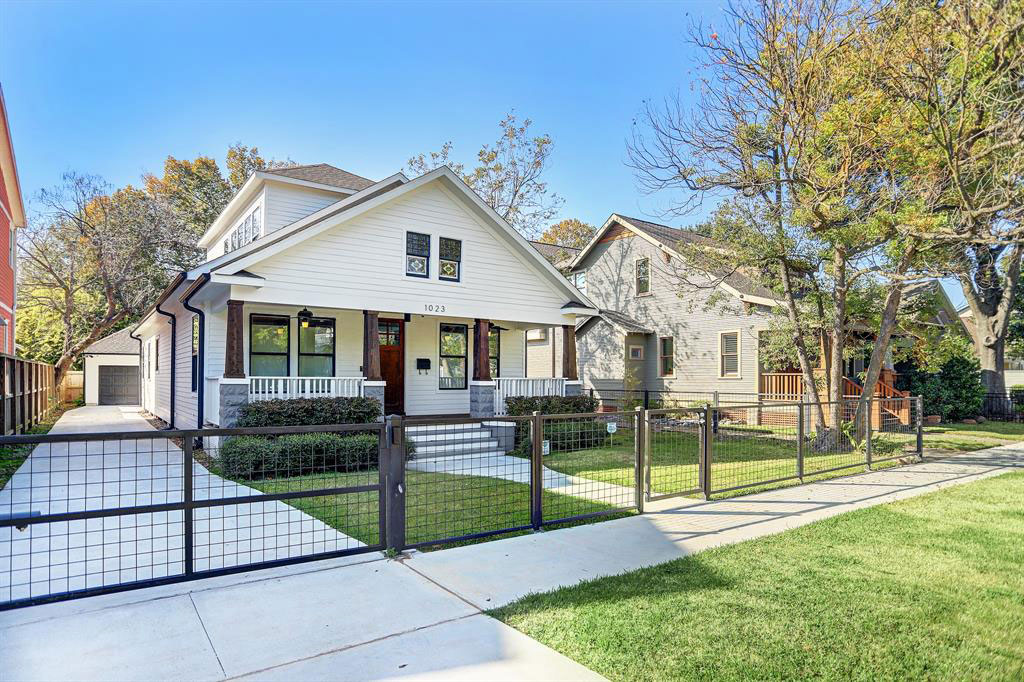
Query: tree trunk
<point x="838" y="343"/>
<point x="991" y="358"/>
<point x="799" y="340"/>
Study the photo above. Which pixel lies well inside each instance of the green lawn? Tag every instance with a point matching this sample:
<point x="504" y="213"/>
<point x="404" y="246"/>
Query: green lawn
<point x="13" y="456"/>
<point x="968" y="437"/>
<point x="740" y="457"/>
<point x="926" y="588"/>
<point x="437" y="505"/>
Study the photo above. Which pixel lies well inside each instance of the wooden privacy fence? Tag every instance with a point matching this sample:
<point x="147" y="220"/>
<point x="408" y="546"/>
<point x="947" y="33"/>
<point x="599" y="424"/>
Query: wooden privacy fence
<point x="72" y="388"/>
<point x="27" y="393"/>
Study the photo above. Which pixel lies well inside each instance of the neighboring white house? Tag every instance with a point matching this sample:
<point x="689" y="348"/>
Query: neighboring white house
<point x="1013" y="367"/>
<point x="112" y="370"/>
<point x="320" y="282"/>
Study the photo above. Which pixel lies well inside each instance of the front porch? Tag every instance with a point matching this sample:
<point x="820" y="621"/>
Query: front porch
<point x="412" y="364"/>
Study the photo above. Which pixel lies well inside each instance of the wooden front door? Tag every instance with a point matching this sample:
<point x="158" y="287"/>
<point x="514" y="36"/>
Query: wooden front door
<point x="392" y="364"/>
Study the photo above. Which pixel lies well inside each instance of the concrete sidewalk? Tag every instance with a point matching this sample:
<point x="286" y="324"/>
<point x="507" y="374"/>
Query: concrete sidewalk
<point x="420" y="618"/>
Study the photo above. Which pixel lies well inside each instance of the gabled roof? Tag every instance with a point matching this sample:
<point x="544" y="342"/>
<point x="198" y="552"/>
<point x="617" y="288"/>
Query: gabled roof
<point x="624" y="323"/>
<point x="118" y="343"/>
<point x="560" y="256"/>
<point x="368" y="199"/>
<point x="666" y="238"/>
<point x="323" y="174"/>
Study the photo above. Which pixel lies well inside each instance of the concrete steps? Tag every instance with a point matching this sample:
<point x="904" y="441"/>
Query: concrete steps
<point x="453" y="440"/>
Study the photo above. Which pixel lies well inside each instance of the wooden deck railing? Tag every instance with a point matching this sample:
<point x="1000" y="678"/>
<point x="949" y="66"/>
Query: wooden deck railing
<point x="27" y="393"/>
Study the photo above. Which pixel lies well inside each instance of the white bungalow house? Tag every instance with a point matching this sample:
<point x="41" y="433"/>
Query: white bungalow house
<point x="319" y="282"/>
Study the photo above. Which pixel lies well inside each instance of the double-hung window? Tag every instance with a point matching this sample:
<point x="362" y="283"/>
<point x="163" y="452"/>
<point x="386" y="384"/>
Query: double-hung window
<point x="450" y="259"/>
<point x="666" y="356"/>
<point x="579" y="280"/>
<point x="729" y="351"/>
<point x="643" y="276"/>
<point x="195" y="353"/>
<point x="268" y="345"/>
<point x="494" y="351"/>
<point x="453" y="356"/>
<point x="316" y="347"/>
<point x="417" y="254"/>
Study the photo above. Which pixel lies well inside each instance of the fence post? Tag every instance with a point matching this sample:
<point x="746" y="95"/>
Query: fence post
<point x="4" y="407"/>
<point x="867" y="431"/>
<point x="647" y="399"/>
<point x="920" y="427"/>
<point x="187" y="499"/>
<point x="394" y="514"/>
<point x="640" y="440"/>
<point x="705" y="453"/>
<point x="537" y="471"/>
<point x="18" y="403"/>
<point x="800" y="440"/>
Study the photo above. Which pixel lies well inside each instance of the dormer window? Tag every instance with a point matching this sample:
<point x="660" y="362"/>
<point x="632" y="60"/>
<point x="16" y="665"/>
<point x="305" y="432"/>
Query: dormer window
<point x="248" y="230"/>
<point x="417" y="254"/>
<point x="450" y="267"/>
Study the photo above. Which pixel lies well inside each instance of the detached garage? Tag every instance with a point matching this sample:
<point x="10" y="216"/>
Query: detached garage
<point x="112" y="370"/>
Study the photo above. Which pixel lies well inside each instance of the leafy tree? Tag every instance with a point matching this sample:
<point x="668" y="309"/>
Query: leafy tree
<point x="950" y="380"/>
<point x="243" y="161"/>
<point x="570" y="232"/>
<point x="195" y="190"/>
<point x="507" y="174"/>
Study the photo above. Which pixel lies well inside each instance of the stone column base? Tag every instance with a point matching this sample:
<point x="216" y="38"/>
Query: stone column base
<point x="573" y="388"/>
<point x="234" y="395"/>
<point x="375" y="389"/>
<point x="481" y="398"/>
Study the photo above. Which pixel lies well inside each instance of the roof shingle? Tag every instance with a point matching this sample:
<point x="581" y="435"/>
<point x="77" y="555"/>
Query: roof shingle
<point x="324" y="174"/>
<point x="118" y="343"/>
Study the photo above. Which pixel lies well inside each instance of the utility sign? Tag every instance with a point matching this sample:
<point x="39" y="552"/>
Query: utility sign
<point x="546" y="448"/>
<point x="612" y="427"/>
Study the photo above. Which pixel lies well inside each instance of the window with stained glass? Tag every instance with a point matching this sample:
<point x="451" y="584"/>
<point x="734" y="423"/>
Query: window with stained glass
<point x="450" y="262"/>
<point x="417" y="254"/>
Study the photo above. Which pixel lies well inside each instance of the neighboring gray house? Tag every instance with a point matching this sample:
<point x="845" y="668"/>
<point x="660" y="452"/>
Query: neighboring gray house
<point x="660" y="327"/>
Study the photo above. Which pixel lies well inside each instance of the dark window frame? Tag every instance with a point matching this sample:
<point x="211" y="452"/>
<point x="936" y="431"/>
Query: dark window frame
<point x="441" y="259"/>
<point x="334" y="345"/>
<point x="156" y="355"/>
<point x="288" y="341"/>
<point x="671" y="357"/>
<point x="496" y="371"/>
<point x="425" y="257"/>
<point x="464" y="330"/>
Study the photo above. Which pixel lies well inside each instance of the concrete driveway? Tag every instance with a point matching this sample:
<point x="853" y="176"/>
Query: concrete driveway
<point x="50" y="558"/>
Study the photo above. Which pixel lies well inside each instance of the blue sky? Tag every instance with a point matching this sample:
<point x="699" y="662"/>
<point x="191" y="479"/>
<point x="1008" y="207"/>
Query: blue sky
<point x="113" y="88"/>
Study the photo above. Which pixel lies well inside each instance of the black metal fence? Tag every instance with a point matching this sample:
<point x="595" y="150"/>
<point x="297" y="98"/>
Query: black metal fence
<point x="92" y="513"/>
<point x="1003" y="407"/>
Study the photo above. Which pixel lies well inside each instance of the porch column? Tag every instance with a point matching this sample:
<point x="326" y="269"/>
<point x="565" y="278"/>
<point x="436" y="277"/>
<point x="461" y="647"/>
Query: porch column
<point x="234" y="365"/>
<point x="371" y="346"/>
<point x="481" y="351"/>
<point x="569" y="352"/>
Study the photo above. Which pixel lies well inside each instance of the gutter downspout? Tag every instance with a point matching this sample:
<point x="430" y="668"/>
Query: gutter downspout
<point x="174" y="351"/>
<point x="200" y="376"/>
<point x="141" y="368"/>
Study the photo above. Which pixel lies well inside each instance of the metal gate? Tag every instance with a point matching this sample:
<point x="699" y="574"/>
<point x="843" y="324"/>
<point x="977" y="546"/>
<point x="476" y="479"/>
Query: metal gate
<point x="93" y="513"/>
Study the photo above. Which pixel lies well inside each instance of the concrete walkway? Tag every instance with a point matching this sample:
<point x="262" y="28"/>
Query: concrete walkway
<point x="517" y="469"/>
<point x="107" y="474"/>
<point x="419" y="618"/>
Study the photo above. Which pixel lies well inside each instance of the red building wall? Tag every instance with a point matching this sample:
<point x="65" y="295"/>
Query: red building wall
<point x="6" y="273"/>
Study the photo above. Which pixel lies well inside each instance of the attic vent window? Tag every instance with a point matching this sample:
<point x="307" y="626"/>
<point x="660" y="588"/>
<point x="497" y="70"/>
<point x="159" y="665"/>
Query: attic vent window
<point x="248" y="230"/>
<point x="417" y="254"/>
<point x="450" y="259"/>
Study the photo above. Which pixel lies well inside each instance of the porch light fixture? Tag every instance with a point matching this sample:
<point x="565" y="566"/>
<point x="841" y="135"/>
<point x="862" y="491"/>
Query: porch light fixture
<point x="304" y="316"/>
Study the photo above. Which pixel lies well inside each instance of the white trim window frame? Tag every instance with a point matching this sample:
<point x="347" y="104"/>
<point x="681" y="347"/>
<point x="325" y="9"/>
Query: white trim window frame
<point x="737" y="353"/>
<point x="248" y="229"/>
<point x="579" y="280"/>
<point x="646" y="274"/>
<point x="634" y="352"/>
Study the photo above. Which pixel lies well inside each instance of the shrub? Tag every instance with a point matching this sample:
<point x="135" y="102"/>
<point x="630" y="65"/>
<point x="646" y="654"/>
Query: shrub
<point x="565" y="436"/>
<point x="297" y="454"/>
<point x="310" y="412"/>
<point x="518" y="406"/>
<point x="955" y="391"/>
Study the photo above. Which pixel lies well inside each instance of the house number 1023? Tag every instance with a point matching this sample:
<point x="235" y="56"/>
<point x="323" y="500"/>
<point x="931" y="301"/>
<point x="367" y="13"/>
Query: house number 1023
<point x="433" y="307"/>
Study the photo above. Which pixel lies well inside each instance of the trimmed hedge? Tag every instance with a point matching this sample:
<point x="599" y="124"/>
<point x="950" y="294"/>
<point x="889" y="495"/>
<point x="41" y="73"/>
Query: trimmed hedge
<point x="310" y="412"/>
<point x="519" y="406"/>
<point x="296" y="454"/>
<point x="565" y="436"/>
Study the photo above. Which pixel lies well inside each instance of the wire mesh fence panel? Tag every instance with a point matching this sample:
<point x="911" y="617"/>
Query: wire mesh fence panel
<point x="90" y="512"/>
<point x="754" y="444"/>
<point x="836" y="446"/>
<point x="466" y="478"/>
<point x="894" y="427"/>
<point x="673" y="452"/>
<point x="270" y="497"/>
<point x="65" y="523"/>
<point x="588" y="465"/>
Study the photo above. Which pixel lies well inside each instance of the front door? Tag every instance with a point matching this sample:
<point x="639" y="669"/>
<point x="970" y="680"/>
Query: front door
<point x="392" y="364"/>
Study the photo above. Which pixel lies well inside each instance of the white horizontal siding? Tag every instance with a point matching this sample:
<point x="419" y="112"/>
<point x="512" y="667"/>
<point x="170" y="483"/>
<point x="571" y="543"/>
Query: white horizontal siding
<point x="361" y="265"/>
<point x="287" y="203"/>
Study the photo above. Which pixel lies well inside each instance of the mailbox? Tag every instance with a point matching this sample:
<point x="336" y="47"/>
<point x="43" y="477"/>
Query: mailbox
<point x="423" y="364"/>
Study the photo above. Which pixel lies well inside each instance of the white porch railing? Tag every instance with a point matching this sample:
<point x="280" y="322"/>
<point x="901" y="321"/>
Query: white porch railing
<point x="283" y="388"/>
<point x="526" y="387"/>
